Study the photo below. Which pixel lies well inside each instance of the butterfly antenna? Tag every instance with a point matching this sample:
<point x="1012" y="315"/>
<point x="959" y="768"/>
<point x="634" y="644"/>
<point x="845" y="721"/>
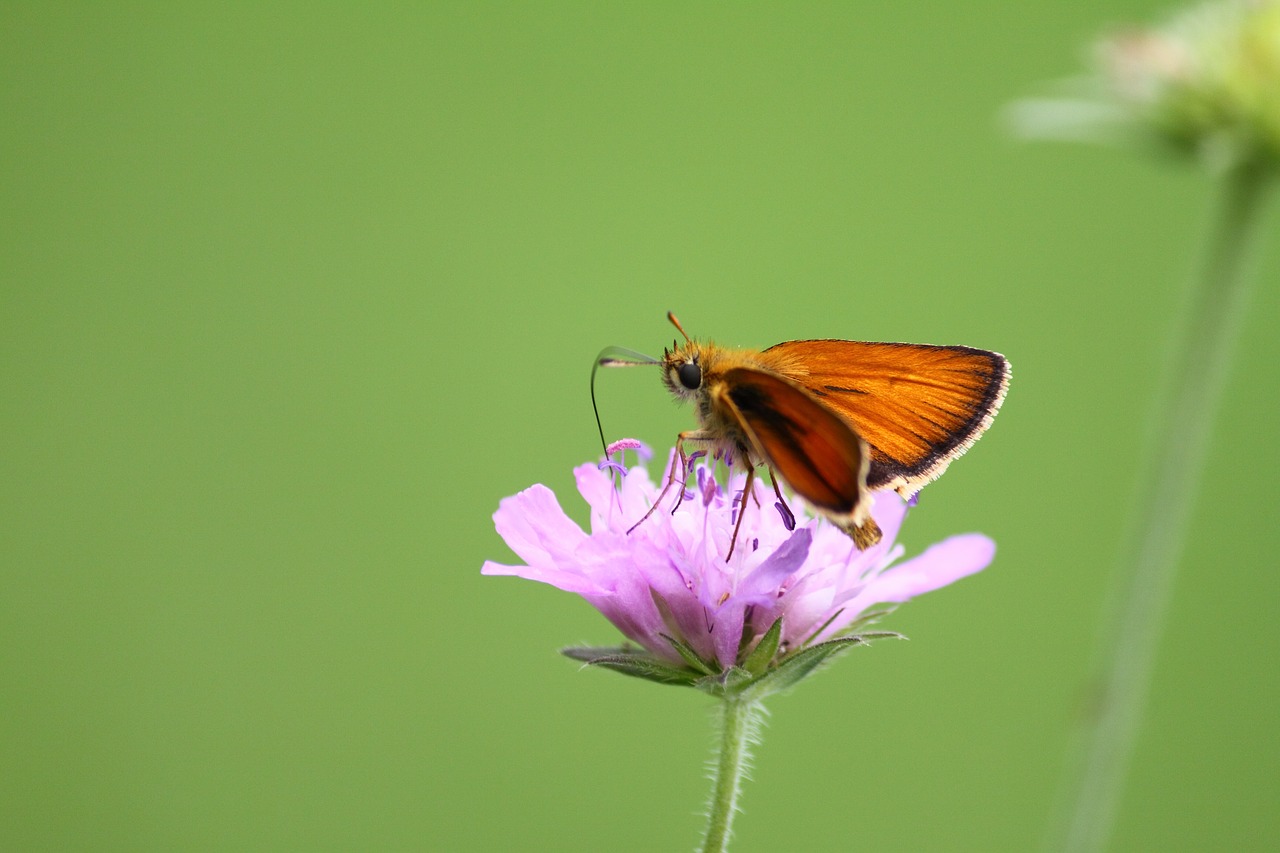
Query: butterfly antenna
<point x="614" y="357"/>
<point x="599" y="426"/>
<point x="671" y="315"/>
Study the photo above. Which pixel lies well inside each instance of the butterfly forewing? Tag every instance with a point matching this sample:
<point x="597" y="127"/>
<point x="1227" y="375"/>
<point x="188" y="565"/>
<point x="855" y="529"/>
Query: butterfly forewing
<point x="917" y="406"/>
<point x="816" y="452"/>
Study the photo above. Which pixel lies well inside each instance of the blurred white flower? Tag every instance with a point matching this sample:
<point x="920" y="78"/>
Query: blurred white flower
<point x="1205" y="84"/>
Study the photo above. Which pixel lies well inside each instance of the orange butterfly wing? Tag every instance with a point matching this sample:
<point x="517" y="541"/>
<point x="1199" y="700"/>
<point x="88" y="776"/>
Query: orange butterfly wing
<point x="917" y="406"/>
<point x="812" y="448"/>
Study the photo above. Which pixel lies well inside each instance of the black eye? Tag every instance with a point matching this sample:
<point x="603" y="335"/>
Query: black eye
<point x="690" y="375"/>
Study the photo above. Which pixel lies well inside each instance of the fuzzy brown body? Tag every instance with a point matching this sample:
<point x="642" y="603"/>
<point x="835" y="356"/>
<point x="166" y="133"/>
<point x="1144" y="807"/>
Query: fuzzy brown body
<point x="838" y="419"/>
<point x="719" y="427"/>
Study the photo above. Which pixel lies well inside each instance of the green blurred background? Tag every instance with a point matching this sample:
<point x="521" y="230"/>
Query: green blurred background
<point x="292" y="295"/>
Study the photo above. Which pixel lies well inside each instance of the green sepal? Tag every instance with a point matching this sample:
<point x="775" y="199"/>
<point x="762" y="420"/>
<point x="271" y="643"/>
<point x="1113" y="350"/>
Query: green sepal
<point x="760" y="675"/>
<point x="791" y="670"/>
<point x="630" y="661"/>
<point x="868" y="636"/>
<point x="689" y="655"/>
<point x="758" y="661"/>
<point x="859" y="639"/>
<point x="732" y="681"/>
<point x="796" y="666"/>
<point x="866" y="620"/>
<point x="586" y="654"/>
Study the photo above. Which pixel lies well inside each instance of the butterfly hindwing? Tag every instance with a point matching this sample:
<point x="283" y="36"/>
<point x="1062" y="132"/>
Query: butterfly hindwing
<point x="812" y="448"/>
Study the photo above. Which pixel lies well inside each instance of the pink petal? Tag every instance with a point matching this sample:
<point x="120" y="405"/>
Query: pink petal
<point x="726" y="634"/>
<point x="889" y="511"/>
<point x="949" y="560"/>
<point x="533" y="525"/>
<point x="595" y="485"/>
<point x="778" y="566"/>
<point x="569" y="581"/>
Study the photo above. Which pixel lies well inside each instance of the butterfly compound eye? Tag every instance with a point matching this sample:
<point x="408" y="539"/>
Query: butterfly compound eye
<point x="690" y="375"/>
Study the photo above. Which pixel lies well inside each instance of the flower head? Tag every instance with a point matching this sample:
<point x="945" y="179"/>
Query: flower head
<point x="793" y="583"/>
<point x="1207" y="83"/>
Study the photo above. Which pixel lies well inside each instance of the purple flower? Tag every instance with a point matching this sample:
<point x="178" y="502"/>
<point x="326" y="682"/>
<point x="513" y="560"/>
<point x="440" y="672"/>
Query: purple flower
<point x="668" y="578"/>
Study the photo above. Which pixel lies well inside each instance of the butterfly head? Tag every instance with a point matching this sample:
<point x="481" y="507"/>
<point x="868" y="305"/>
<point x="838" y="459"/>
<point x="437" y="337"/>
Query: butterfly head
<point x="682" y="370"/>
<point x="683" y="365"/>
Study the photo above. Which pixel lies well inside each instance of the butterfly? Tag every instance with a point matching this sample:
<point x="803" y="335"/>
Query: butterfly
<point x="834" y="420"/>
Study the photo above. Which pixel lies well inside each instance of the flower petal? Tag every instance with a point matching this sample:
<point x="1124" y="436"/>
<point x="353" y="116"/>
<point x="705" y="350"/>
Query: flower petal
<point x="535" y="527"/>
<point x="596" y="487"/>
<point x="569" y="581"/>
<point x="778" y="566"/>
<point x="941" y="564"/>
<point x="889" y="510"/>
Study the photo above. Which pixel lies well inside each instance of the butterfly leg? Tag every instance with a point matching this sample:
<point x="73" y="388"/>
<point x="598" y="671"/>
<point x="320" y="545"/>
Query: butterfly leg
<point x="684" y="468"/>
<point x="789" y="517"/>
<point x="742" y="505"/>
<point x="755" y="499"/>
<point x="678" y="462"/>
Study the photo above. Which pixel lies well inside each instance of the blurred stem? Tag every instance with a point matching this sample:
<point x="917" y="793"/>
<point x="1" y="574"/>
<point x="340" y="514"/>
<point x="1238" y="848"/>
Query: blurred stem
<point x="739" y="721"/>
<point x="1198" y="366"/>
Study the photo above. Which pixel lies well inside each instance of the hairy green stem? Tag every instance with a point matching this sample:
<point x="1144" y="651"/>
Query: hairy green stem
<point x="1199" y="362"/>
<point x="739" y="721"/>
